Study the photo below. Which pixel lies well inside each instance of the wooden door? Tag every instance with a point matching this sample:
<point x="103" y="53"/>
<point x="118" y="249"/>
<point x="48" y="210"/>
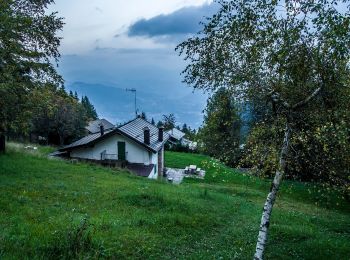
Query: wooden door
<point x="121" y="151"/>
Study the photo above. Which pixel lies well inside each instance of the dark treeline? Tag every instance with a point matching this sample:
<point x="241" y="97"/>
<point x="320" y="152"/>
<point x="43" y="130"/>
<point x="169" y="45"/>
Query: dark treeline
<point x="320" y="145"/>
<point x="33" y="102"/>
<point x="52" y="117"/>
<point x="219" y="135"/>
<point x="59" y="118"/>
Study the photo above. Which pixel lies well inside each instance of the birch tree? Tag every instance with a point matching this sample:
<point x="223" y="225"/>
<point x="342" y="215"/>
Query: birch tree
<point x="286" y="53"/>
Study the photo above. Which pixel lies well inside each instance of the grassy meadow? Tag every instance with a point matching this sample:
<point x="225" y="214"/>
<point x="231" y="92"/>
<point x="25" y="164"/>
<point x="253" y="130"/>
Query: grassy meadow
<point x="51" y="208"/>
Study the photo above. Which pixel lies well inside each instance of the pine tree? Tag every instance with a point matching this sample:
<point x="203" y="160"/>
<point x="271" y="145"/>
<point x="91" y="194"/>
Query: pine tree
<point x="89" y="108"/>
<point x="184" y="128"/>
<point x="169" y="121"/>
<point x="221" y="128"/>
<point x="160" y="124"/>
<point x="143" y="115"/>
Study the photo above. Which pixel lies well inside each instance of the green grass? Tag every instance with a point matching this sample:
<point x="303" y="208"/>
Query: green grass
<point x="54" y="209"/>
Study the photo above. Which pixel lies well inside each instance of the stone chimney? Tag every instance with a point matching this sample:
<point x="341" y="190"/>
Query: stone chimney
<point x="102" y="129"/>
<point x="160" y="134"/>
<point x="146" y="135"/>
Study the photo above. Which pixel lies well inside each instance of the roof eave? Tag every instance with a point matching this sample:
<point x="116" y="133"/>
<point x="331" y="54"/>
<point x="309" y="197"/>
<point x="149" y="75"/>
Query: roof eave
<point x="89" y="143"/>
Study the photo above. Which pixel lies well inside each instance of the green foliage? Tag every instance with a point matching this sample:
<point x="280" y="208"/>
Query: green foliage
<point x="27" y="47"/>
<point x="179" y="147"/>
<point x="320" y="146"/>
<point x="322" y="151"/>
<point x="159" y="124"/>
<point x="89" y="108"/>
<point x="301" y="81"/>
<point x="32" y="95"/>
<point x="261" y="150"/>
<point x="57" y="114"/>
<point x="72" y="243"/>
<point x="168" y="121"/>
<point x="44" y="204"/>
<point x="143" y="115"/>
<point x="244" y="48"/>
<point x="220" y="134"/>
<point x="190" y="134"/>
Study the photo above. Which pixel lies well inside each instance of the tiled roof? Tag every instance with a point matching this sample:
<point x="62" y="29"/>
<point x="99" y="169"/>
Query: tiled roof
<point x="135" y="128"/>
<point x="132" y="130"/>
<point x="85" y="140"/>
<point x="94" y="126"/>
<point x="176" y="133"/>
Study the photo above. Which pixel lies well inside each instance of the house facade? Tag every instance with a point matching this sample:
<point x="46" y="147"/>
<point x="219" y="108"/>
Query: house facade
<point x="138" y="145"/>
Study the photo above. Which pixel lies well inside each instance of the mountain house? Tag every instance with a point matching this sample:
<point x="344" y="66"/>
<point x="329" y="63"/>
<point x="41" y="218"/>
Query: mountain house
<point x="94" y="126"/>
<point x="178" y="137"/>
<point x="137" y="145"/>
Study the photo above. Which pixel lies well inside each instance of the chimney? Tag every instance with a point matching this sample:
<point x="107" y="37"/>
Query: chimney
<point x="146" y="135"/>
<point x="102" y="129"/>
<point x="160" y="133"/>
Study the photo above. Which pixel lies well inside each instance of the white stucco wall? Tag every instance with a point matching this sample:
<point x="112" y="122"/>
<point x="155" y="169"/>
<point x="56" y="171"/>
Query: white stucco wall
<point x="135" y="153"/>
<point x="163" y="157"/>
<point x="154" y="160"/>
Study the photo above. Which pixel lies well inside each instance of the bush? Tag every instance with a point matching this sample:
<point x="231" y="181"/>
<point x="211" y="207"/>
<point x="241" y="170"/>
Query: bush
<point x="317" y="154"/>
<point x="178" y="147"/>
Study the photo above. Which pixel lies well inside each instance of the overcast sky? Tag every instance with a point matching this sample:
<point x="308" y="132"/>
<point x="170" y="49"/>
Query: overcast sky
<point x="126" y="44"/>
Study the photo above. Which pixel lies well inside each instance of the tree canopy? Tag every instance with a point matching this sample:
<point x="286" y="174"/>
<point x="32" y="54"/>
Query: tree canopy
<point x="33" y="100"/>
<point x="258" y="48"/>
<point x="220" y="133"/>
<point x="291" y="54"/>
<point x="89" y="108"/>
<point x="169" y="121"/>
<point x="28" y="45"/>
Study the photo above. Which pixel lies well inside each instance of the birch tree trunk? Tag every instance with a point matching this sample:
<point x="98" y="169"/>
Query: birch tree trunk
<point x="271" y="197"/>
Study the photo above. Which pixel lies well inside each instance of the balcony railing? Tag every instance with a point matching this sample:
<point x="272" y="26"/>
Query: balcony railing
<point x="110" y="156"/>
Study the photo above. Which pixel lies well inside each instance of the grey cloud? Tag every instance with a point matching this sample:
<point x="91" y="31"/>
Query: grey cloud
<point x="98" y="9"/>
<point x="182" y="21"/>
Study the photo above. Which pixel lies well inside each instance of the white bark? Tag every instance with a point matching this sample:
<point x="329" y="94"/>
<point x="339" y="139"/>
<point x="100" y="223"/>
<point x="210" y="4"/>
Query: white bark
<point x="271" y="197"/>
<point x="307" y="100"/>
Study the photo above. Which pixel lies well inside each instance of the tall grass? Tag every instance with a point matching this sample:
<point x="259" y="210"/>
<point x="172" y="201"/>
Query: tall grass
<point x="55" y="209"/>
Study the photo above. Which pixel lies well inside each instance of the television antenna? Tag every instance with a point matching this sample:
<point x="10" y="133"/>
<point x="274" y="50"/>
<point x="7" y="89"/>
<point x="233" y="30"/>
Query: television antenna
<point x="134" y="91"/>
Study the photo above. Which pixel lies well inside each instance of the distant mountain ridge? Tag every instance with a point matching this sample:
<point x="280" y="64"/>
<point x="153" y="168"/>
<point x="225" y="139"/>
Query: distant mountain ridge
<point x="117" y="105"/>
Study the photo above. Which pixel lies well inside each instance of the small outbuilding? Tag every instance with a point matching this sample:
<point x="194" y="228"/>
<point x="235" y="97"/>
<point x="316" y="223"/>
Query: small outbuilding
<point x="178" y="137"/>
<point x="94" y="126"/>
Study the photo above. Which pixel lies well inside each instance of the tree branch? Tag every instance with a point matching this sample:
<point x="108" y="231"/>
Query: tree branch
<point x="307" y="100"/>
<point x="276" y="98"/>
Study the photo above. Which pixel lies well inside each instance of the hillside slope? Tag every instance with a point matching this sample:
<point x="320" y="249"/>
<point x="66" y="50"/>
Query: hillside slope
<point x="55" y="209"/>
